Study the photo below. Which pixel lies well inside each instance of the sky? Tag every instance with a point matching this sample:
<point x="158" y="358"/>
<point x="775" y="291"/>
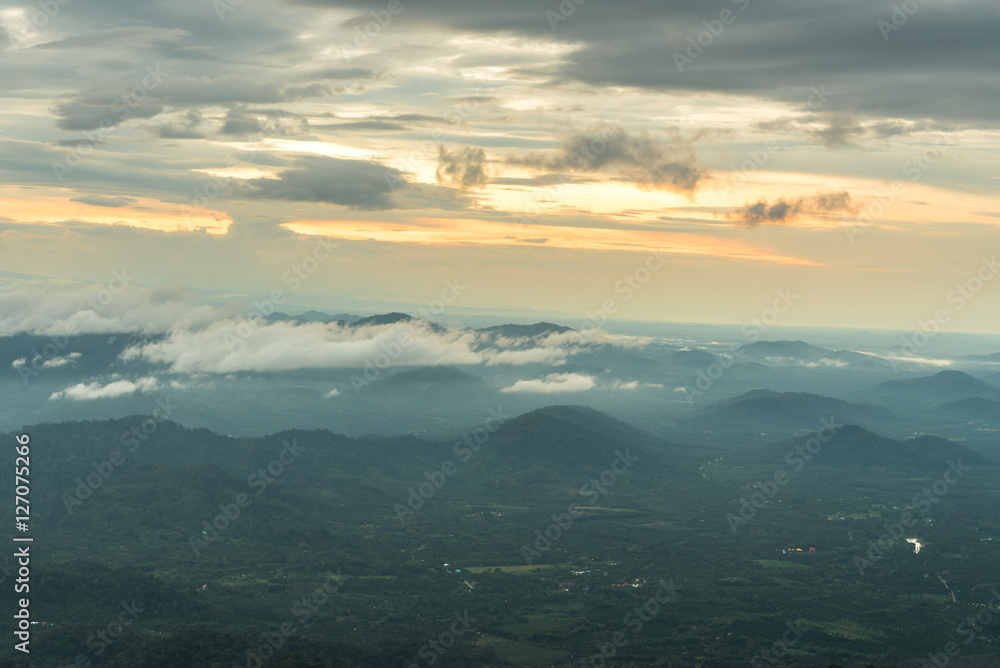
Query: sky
<point x="664" y="161"/>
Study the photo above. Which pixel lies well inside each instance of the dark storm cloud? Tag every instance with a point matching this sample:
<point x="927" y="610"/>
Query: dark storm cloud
<point x="647" y="161"/>
<point x="353" y="183"/>
<point x="463" y="168"/>
<point x="787" y="210"/>
<point x="932" y="66"/>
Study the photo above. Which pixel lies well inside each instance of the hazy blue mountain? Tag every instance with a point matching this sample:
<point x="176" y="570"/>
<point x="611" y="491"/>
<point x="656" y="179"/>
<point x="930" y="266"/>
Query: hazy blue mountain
<point x="764" y="410"/>
<point x="519" y="331"/>
<point x="314" y="316"/>
<point x="975" y="408"/>
<point x="854" y="447"/>
<point x="944" y="384"/>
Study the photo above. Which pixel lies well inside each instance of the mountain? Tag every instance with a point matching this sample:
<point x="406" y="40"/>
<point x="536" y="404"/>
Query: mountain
<point x="67" y="356"/>
<point x="314" y="316"/>
<point x="429" y="376"/>
<point x="691" y="359"/>
<point x="566" y="445"/>
<point x="800" y="352"/>
<point x="993" y="358"/>
<point x="854" y="447"/>
<point x="765" y="410"/>
<point x="519" y="331"/>
<point x="382" y="319"/>
<point x="954" y="384"/>
<point x="976" y="409"/>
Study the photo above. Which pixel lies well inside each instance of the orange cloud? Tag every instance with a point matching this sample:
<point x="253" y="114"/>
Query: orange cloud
<point x="56" y="205"/>
<point x="467" y="231"/>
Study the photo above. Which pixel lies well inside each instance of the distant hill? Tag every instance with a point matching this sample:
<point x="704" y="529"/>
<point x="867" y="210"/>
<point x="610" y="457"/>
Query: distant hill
<point x="383" y="319"/>
<point x="792" y="349"/>
<point x="765" y="410"/>
<point x="314" y="316"/>
<point x="72" y="357"/>
<point x="691" y="359"/>
<point x="429" y="376"/>
<point x="519" y="331"/>
<point x="949" y="383"/>
<point x="855" y="447"/>
<point x="976" y="409"/>
<point x="994" y="357"/>
<point x="560" y="444"/>
<point x="801" y="352"/>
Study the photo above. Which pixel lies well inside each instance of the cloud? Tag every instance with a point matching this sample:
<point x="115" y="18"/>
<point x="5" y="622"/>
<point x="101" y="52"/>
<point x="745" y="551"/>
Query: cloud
<point x="358" y="184"/>
<point x="116" y="388"/>
<point x="100" y="200"/>
<point x="649" y="162"/>
<point x="235" y="346"/>
<point x="234" y="89"/>
<point x="787" y="210"/>
<point x="101" y="111"/>
<point x="342" y="73"/>
<point x="131" y="36"/>
<point x="464" y="168"/>
<point x="270" y="122"/>
<point x="841" y="130"/>
<point x="553" y="384"/>
<point x="97" y="309"/>
<point x="189" y="130"/>
<point x="332" y="393"/>
<point x="56" y="362"/>
<point x="619" y="385"/>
